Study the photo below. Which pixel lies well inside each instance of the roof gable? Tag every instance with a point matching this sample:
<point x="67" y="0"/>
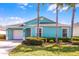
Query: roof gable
<point x="43" y="20"/>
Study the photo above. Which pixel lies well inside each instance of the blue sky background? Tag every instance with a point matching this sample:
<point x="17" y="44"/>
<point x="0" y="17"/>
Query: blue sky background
<point x="13" y="13"/>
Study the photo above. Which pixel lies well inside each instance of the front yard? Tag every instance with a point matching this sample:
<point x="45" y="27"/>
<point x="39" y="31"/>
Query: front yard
<point x="47" y="50"/>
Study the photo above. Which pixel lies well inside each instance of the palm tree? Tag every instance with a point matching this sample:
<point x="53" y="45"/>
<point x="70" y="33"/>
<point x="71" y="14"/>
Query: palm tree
<point x="57" y="23"/>
<point x="38" y="11"/>
<point x="57" y="11"/>
<point x="72" y="5"/>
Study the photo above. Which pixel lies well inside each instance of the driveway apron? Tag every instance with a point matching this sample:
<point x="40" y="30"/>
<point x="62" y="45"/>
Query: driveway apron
<point x="7" y="46"/>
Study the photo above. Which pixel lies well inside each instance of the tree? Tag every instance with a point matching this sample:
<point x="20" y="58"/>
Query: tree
<point x="72" y="5"/>
<point x="57" y="11"/>
<point x="38" y="11"/>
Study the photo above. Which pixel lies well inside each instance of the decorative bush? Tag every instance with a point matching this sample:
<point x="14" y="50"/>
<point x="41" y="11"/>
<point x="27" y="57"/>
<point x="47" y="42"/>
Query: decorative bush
<point x="75" y="42"/>
<point x="35" y="38"/>
<point x="60" y="39"/>
<point x="51" y="41"/>
<point x="75" y="38"/>
<point x="24" y="42"/>
<point x="34" y="42"/>
<point x="66" y="39"/>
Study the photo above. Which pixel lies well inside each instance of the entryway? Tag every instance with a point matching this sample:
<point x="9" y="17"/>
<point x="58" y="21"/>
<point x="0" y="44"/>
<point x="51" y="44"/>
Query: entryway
<point x="27" y="32"/>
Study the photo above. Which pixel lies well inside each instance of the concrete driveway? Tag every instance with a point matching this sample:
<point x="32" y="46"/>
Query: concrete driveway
<point x="7" y="46"/>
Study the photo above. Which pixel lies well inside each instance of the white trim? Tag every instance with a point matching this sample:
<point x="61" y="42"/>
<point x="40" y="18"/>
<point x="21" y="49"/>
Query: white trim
<point x="62" y="25"/>
<point x="23" y="35"/>
<point x="6" y="34"/>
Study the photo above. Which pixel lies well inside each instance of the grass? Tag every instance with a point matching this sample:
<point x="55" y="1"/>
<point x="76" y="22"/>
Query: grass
<point x="48" y="50"/>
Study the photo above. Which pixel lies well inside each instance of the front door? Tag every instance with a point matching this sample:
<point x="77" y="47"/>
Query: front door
<point x="64" y="32"/>
<point x="28" y="32"/>
<point x="40" y="32"/>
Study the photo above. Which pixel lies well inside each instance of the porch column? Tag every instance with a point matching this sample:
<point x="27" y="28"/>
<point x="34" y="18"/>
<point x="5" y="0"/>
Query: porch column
<point x="6" y="34"/>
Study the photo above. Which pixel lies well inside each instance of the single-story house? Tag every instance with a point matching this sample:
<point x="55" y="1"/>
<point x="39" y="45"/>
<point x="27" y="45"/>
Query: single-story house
<point x="47" y="29"/>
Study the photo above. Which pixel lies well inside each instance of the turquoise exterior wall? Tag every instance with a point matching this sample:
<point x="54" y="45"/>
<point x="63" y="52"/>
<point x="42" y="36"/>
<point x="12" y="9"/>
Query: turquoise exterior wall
<point x="46" y="32"/>
<point x="51" y="32"/>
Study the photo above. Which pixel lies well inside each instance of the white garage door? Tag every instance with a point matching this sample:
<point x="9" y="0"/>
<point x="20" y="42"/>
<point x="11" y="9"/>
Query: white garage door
<point x="18" y="34"/>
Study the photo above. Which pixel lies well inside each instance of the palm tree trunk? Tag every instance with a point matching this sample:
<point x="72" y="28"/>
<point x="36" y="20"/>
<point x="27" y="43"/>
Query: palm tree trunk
<point x="38" y="10"/>
<point x="57" y="24"/>
<point x="72" y="22"/>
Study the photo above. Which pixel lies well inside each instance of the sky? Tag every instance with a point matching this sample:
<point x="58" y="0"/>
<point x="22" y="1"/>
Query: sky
<point x="14" y="13"/>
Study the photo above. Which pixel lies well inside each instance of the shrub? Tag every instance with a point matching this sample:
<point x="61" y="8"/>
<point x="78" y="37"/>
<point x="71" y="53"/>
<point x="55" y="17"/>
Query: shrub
<point x="60" y="39"/>
<point x="75" y="42"/>
<point x="51" y="41"/>
<point x="24" y="42"/>
<point x="35" y="38"/>
<point x="75" y="38"/>
<point x="34" y="42"/>
<point x="66" y="39"/>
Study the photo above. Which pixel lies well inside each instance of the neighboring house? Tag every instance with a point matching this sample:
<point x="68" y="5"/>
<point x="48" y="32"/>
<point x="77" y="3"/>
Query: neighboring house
<point x="76" y="29"/>
<point x="2" y="30"/>
<point x="2" y="33"/>
<point x="28" y="29"/>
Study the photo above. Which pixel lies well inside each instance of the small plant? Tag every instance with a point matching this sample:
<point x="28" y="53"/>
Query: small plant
<point x="24" y="42"/>
<point x="51" y="41"/>
<point x="66" y="39"/>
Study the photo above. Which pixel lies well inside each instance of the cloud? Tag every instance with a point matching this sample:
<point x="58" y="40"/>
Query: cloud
<point x="11" y="20"/>
<point x="53" y="8"/>
<point x="77" y="5"/>
<point x="64" y="8"/>
<point x="23" y="5"/>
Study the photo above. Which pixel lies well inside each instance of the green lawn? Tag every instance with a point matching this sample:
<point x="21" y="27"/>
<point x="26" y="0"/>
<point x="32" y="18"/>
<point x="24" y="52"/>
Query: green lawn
<point x="48" y="50"/>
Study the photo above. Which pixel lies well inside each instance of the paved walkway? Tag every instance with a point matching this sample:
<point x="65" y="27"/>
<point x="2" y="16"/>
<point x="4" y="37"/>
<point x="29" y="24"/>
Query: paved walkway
<point x="6" y="46"/>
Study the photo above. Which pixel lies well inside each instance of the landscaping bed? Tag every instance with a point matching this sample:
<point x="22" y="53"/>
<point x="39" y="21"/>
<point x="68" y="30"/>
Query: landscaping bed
<point x="47" y="50"/>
